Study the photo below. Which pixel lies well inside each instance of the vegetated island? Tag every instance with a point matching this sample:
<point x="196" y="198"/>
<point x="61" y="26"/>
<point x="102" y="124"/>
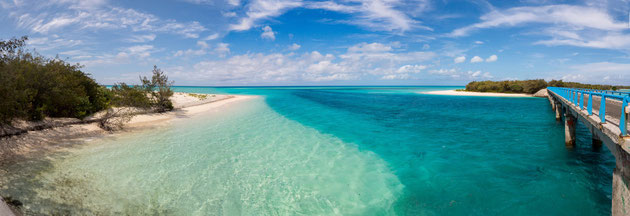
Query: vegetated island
<point x="519" y="88"/>
<point x="47" y="103"/>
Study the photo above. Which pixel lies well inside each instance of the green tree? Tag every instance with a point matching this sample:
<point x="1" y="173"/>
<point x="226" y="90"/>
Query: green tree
<point x="33" y="87"/>
<point x="159" y="87"/>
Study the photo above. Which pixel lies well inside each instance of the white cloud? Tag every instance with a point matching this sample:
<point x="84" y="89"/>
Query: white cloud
<point x="568" y="15"/>
<point x="212" y="36"/>
<point x="263" y="9"/>
<point x="294" y="47"/>
<point x="479" y="74"/>
<point x="411" y="69"/>
<point x="222" y="49"/>
<point x="395" y="77"/>
<point x="88" y="15"/>
<point x="201" y="2"/>
<point x="492" y="58"/>
<point x="234" y="2"/>
<point x="229" y="14"/>
<point x="203" y="44"/>
<point x="581" y="26"/>
<point x="360" y="60"/>
<point x="384" y="15"/>
<point x="204" y="48"/>
<point x="444" y="71"/>
<point x="460" y="59"/>
<point x="141" y="38"/>
<point x="479" y="42"/>
<point x="456" y="74"/>
<point x="268" y="33"/>
<point x="476" y="59"/>
<point x="261" y="68"/>
<point x="135" y="54"/>
<point x="595" y="72"/>
<point x="52" y="43"/>
<point x="190" y="52"/>
<point x="81" y="4"/>
<point x="607" y="40"/>
<point x="370" y="47"/>
<point x="141" y="51"/>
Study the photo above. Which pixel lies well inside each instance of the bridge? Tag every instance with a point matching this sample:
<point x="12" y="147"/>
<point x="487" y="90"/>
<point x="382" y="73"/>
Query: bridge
<point x="605" y="113"/>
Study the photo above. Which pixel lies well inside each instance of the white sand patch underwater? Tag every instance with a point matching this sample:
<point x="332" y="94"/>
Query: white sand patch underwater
<point x="242" y="160"/>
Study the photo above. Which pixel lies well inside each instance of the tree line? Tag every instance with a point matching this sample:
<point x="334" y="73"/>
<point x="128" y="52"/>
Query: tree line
<point x="531" y="86"/>
<point x="33" y="87"/>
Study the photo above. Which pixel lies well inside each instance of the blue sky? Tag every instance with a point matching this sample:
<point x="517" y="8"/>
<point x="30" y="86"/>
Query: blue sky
<point x="346" y="42"/>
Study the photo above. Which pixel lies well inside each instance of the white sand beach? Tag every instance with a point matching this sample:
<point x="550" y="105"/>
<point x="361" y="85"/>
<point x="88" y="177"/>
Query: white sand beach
<point x="483" y="94"/>
<point x="39" y="143"/>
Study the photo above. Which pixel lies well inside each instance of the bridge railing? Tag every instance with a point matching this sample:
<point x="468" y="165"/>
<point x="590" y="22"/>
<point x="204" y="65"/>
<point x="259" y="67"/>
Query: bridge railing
<point x="576" y="97"/>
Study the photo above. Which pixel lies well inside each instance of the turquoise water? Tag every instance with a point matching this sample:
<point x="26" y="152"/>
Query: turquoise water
<point x="337" y="150"/>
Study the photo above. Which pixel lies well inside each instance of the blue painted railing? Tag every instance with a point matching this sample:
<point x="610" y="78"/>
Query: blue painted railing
<point x="576" y="97"/>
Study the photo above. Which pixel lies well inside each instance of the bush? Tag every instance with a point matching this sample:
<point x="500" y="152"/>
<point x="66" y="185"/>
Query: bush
<point x="33" y="87"/>
<point x="129" y="96"/>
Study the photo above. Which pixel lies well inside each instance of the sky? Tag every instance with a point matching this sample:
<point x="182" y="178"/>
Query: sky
<point x="330" y="42"/>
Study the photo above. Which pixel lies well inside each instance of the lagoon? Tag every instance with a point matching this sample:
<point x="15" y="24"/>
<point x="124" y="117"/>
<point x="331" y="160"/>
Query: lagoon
<point x="334" y="150"/>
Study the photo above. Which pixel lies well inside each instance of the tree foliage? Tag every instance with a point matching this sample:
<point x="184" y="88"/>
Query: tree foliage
<point x="560" y="83"/>
<point x="529" y="86"/>
<point x="160" y="90"/>
<point x="32" y="86"/>
<point x="129" y="96"/>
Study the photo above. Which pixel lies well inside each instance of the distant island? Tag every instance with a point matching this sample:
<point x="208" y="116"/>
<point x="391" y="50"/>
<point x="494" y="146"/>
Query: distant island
<point x="530" y="86"/>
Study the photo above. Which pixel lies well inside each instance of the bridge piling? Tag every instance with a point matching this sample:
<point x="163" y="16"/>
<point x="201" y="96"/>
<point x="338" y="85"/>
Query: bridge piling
<point x="621" y="180"/>
<point x="569" y="129"/>
<point x="596" y="141"/>
<point x="557" y="108"/>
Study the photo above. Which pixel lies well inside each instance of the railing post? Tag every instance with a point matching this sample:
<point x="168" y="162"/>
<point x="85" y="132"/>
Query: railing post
<point x="589" y="107"/>
<point x="580" y="99"/>
<point x="623" y="119"/>
<point x="602" y="109"/>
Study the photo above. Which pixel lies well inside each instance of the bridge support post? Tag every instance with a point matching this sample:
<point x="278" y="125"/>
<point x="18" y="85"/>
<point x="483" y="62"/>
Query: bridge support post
<point x="558" y="109"/>
<point x="569" y="129"/>
<point x="596" y="141"/>
<point x="621" y="182"/>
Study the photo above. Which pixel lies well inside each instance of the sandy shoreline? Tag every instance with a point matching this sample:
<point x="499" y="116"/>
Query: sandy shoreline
<point x="39" y="144"/>
<point x="43" y="140"/>
<point x="186" y="109"/>
<point x="482" y="94"/>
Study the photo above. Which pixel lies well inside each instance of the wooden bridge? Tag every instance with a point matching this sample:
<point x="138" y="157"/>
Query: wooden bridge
<point x="605" y="113"/>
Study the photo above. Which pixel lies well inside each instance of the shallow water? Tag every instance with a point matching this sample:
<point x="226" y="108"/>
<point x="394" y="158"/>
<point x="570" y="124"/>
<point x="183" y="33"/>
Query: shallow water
<point x="342" y="150"/>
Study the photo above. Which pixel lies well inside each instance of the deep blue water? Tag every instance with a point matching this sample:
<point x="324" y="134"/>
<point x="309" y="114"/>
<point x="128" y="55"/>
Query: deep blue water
<point x="457" y="155"/>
